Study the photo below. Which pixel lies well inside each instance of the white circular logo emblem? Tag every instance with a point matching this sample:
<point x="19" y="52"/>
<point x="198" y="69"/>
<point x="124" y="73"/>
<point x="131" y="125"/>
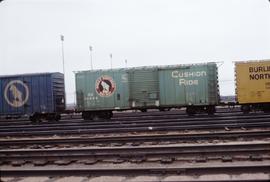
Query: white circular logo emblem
<point x="105" y="86"/>
<point x="16" y="93"/>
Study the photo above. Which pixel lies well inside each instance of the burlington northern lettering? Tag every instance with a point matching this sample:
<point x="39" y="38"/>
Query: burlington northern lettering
<point x="258" y="73"/>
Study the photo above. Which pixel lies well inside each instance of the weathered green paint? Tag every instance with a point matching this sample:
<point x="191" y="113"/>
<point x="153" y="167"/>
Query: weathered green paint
<point x="88" y="97"/>
<point x="144" y="87"/>
<point x="149" y="87"/>
<point x="189" y="85"/>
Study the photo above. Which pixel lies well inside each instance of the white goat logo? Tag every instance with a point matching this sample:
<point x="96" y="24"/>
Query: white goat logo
<point x="106" y="87"/>
<point x="14" y="96"/>
<point x="17" y="95"/>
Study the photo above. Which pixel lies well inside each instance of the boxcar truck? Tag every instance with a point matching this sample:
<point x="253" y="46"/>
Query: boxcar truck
<point x="37" y="96"/>
<point x="253" y="85"/>
<point x="99" y="92"/>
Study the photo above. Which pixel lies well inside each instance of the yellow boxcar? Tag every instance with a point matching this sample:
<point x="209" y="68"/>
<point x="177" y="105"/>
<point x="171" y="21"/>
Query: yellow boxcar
<point x="253" y="81"/>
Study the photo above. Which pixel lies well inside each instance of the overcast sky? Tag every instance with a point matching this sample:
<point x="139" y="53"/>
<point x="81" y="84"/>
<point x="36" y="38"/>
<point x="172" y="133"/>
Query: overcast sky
<point x="145" y="32"/>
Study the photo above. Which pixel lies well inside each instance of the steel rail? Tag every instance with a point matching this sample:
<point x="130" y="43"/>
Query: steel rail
<point x="163" y="122"/>
<point x="133" y="114"/>
<point x="130" y="119"/>
<point x="186" y="169"/>
<point x="160" y="150"/>
<point x="133" y="117"/>
<point x="137" y="138"/>
<point x="134" y="128"/>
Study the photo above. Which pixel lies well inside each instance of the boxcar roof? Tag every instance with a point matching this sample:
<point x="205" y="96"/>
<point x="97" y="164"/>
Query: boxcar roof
<point x="251" y="61"/>
<point x="147" y="67"/>
<point x="29" y="74"/>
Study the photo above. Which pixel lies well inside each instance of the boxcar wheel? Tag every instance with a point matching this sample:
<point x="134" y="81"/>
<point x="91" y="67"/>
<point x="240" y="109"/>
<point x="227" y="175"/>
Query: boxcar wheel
<point x="86" y="116"/>
<point x="34" y="118"/>
<point x="190" y="111"/>
<point x="143" y="110"/>
<point x="57" y="117"/>
<point x="162" y="109"/>
<point x="95" y="117"/>
<point x="211" y="110"/>
<point x="245" y="109"/>
<point x="108" y="115"/>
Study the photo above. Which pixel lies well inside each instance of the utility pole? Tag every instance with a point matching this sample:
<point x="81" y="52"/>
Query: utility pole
<point x="91" y="62"/>
<point x="111" y="59"/>
<point x="63" y="62"/>
<point x="63" y="57"/>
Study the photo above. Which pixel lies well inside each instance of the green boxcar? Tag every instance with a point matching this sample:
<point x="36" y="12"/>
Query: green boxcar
<point x="102" y="91"/>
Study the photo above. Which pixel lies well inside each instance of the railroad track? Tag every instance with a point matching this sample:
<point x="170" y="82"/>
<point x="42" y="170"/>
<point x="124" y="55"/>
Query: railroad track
<point x="130" y="119"/>
<point x="224" y="144"/>
<point x="228" y="152"/>
<point x="239" y="161"/>
<point x="138" y="126"/>
<point x="135" y="139"/>
<point x="232" y="169"/>
<point x="127" y="115"/>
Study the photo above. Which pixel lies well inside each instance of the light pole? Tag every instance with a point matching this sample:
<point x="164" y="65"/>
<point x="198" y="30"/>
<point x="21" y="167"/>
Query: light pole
<point x="63" y="61"/>
<point x="111" y="59"/>
<point x="91" y="49"/>
<point x="63" y="57"/>
<point x="126" y="63"/>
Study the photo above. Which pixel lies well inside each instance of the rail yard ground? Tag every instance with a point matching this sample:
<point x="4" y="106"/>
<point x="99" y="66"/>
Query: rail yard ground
<point x="137" y="146"/>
